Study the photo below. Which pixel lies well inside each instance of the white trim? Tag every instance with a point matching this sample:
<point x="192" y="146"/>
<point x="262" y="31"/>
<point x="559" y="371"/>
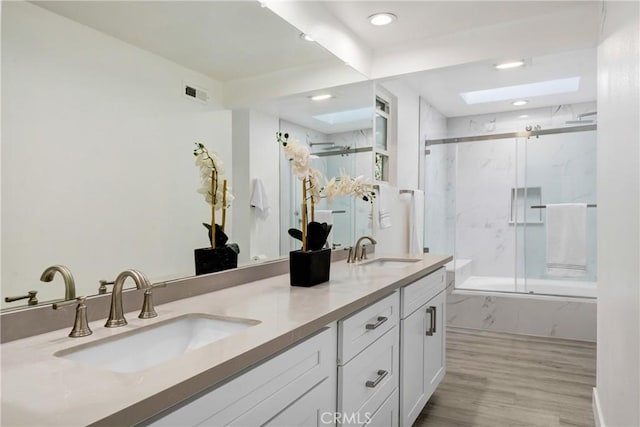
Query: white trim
<point x="597" y="410"/>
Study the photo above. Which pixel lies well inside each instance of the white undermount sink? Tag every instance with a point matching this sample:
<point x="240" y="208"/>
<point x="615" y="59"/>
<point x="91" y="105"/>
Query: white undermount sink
<point x="391" y="262"/>
<point x="155" y="344"/>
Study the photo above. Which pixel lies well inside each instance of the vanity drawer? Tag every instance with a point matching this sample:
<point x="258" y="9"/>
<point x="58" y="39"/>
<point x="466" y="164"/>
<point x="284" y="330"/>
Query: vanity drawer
<point x="366" y="382"/>
<point x="413" y="296"/>
<point x="387" y="415"/>
<point x="359" y="330"/>
<point x="267" y="390"/>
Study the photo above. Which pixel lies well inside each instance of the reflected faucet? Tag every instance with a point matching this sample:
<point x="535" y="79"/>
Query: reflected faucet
<point x="363" y="253"/>
<point x="69" y="283"/>
<point x="116" y="314"/>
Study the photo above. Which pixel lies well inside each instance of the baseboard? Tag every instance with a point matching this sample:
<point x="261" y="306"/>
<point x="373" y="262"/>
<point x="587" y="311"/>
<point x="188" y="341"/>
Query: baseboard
<point x="597" y="411"/>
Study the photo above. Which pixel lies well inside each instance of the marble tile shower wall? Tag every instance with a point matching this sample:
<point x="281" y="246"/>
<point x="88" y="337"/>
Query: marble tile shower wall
<point x="547" y="117"/>
<point x="468" y="186"/>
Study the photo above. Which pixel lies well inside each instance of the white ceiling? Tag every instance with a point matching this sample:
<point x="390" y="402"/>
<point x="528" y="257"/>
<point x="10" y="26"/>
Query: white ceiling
<point x="257" y="52"/>
<point x="222" y="39"/>
<point x="442" y="87"/>
<point x="418" y="20"/>
<point x="300" y="109"/>
<point x="451" y="46"/>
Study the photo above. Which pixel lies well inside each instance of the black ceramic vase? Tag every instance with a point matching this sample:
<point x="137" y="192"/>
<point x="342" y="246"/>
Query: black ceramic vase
<point x="309" y="268"/>
<point x="210" y="260"/>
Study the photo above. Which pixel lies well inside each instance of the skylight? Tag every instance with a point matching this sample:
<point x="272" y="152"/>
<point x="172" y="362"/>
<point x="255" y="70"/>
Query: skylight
<point x="529" y="90"/>
<point x="347" y="116"/>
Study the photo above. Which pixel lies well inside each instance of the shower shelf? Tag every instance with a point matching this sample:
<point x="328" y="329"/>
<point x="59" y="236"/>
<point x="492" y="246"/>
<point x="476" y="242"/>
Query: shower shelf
<point x="522" y="199"/>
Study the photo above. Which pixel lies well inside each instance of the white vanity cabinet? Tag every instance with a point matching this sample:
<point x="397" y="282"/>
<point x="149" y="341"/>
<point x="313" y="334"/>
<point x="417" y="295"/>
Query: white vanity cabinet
<point x="422" y="343"/>
<point x="295" y="387"/>
<point x="368" y="365"/>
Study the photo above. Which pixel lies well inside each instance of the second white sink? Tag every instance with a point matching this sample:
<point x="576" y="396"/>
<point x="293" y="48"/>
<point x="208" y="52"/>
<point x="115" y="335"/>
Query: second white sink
<point x="152" y="345"/>
<point x="391" y="262"/>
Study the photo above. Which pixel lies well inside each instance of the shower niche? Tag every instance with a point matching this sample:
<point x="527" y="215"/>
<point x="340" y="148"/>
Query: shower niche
<point x="522" y="199"/>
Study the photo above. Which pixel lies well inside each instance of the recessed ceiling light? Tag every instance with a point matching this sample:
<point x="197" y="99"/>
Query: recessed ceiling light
<point x="528" y="90"/>
<point x="382" y="18"/>
<point x="524" y="116"/>
<point x="519" y="103"/>
<point x="321" y="97"/>
<point x="306" y="37"/>
<point x="507" y="65"/>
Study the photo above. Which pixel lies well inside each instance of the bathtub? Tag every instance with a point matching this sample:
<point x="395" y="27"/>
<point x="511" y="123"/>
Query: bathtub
<point x="568" y="288"/>
<point x="550" y="308"/>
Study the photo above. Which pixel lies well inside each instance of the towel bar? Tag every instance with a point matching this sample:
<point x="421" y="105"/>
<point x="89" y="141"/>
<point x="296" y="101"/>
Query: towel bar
<point x="544" y="206"/>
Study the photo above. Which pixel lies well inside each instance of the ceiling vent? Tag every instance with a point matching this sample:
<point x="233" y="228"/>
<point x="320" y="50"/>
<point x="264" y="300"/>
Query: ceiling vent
<point x="195" y="93"/>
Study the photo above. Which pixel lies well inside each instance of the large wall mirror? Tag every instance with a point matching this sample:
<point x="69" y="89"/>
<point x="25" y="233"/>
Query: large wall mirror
<point x="337" y="125"/>
<point x="97" y="138"/>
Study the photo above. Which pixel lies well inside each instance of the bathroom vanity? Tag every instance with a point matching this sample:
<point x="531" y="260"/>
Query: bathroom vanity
<point x="367" y="346"/>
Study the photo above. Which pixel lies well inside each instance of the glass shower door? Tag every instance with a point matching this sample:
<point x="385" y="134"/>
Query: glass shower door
<point x="560" y="168"/>
<point x="486" y="212"/>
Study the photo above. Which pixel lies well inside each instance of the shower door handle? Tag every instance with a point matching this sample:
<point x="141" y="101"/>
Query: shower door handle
<point x="432" y="327"/>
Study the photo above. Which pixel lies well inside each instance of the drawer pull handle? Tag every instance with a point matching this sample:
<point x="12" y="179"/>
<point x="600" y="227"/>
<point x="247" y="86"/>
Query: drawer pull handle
<point x="432" y="327"/>
<point x="381" y="320"/>
<point x="381" y="375"/>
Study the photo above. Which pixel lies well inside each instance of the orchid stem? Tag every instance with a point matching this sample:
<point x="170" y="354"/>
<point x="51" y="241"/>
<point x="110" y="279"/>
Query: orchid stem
<point x="224" y="204"/>
<point x="214" y="178"/>
<point x="304" y="215"/>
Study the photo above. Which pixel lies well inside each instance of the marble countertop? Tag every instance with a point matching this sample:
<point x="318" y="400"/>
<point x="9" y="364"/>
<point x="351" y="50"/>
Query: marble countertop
<point x="39" y="388"/>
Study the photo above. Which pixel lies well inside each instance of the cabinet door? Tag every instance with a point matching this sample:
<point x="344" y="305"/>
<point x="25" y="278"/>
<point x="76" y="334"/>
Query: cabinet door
<point x="422" y="357"/>
<point x="435" y="345"/>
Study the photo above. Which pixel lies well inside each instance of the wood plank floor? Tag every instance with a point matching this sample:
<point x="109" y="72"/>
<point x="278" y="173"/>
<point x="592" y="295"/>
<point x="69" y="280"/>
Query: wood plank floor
<point x="497" y="379"/>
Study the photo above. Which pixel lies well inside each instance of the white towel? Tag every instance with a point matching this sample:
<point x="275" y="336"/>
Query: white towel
<point x="567" y="239"/>
<point x="259" y="199"/>
<point x="416" y="223"/>
<point x="326" y="216"/>
<point x="386" y="196"/>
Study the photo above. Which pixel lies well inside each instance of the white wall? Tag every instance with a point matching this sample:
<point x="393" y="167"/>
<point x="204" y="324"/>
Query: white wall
<point x="618" y="372"/>
<point x="265" y="155"/>
<point x="241" y="147"/>
<point x="97" y="166"/>
<point x="396" y="238"/>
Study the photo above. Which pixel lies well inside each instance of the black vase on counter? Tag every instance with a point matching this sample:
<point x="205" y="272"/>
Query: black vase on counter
<point x="210" y="260"/>
<point x="309" y="268"/>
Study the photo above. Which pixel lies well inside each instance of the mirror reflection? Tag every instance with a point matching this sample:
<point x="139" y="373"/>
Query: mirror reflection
<point x="336" y="125"/>
<point x="102" y="103"/>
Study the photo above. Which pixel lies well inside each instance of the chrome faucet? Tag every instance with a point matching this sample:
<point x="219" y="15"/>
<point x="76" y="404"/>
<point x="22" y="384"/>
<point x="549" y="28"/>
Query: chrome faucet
<point x="69" y="283"/>
<point x="363" y="252"/>
<point x="116" y="314"/>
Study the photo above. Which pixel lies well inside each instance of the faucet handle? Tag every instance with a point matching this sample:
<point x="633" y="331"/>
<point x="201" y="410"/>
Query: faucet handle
<point x="31" y="295"/>
<point x="80" y="324"/>
<point x="148" y="311"/>
<point x="102" y="289"/>
<point x="350" y="256"/>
